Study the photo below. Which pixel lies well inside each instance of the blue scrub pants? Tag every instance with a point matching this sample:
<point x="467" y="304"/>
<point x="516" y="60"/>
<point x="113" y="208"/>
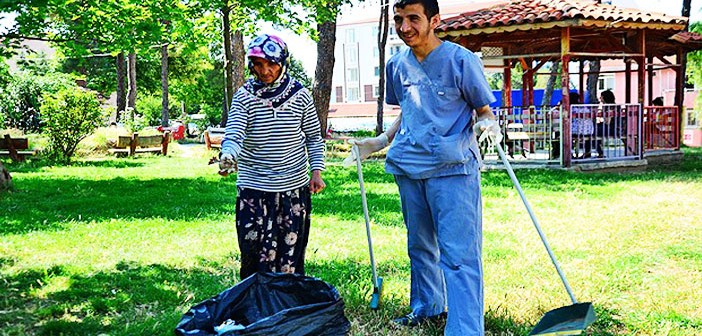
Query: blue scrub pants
<point x="443" y="216"/>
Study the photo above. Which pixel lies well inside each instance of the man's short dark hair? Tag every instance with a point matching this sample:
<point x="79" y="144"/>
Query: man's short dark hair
<point x="431" y="7"/>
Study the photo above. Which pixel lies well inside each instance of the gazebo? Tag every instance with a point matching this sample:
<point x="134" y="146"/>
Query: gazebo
<point x="538" y="32"/>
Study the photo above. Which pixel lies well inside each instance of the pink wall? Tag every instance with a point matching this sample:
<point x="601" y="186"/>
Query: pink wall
<point x="663" y="84"/>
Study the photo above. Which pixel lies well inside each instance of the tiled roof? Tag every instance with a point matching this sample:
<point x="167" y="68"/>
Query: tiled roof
<point x="687" y="37"/>
<point x="524" y="12"/>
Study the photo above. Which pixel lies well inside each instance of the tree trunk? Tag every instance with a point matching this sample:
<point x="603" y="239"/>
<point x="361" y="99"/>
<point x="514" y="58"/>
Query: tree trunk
<point x="5" y="178"/>
<point x="592" y="77"/>
<point x="228" y="73"/>
<point x="686" y="8"/>
<point x="552" y="80"/>
<point x="164" y="85"/>
<point x="131" y="67"/>
<point x="383" y="25"/>
<point x="238" y="60"/>
<point x="121" y="87"/>
<point x="323" y="73"/>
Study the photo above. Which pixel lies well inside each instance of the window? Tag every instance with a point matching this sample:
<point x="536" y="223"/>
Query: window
<point x="351" y="55"/>
<point x="350" y="36"/>
<point x="374" y="31"/>
<point x="394" y="50"/>
<point x="605" y="82"/>
<point x="376" y="51"/>
<point x="376" y="91"/>
<point x="377" y="71"/>
<point x="691" y="117"/>
<point x="352" y="94"/>
<point x="352" y="75"/>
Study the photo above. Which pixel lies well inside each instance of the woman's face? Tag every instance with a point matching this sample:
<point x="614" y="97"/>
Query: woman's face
<point x="265" y="70"/>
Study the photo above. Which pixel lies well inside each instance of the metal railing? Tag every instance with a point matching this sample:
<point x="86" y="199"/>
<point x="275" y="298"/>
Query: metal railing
<point x="605" y="131"/>
<point x="531" y="133"/>
<point x="660" y="127"/>
<point x="598" y="132"/>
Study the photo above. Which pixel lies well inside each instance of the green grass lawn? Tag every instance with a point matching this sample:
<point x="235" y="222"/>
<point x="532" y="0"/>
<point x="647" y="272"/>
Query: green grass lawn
<point x="126" y="246"/>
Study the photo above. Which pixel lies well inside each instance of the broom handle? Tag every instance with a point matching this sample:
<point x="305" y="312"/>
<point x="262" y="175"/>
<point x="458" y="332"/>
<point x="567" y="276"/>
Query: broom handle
<point x="536" y="223"/>
<point x="359" y="169"/>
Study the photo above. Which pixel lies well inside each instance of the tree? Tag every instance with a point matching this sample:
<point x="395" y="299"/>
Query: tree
<point x="326" y="13"/>
<point x="383" y="26"/>
<point x="553" y="78"/>
<point x="592" y="77"/>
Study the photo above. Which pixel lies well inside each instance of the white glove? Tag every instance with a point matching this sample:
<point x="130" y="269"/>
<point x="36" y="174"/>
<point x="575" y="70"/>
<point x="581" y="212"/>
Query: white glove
<point x="488" y="129"/>
<point x="227" y="164"/>
<point x="366" y="147"/>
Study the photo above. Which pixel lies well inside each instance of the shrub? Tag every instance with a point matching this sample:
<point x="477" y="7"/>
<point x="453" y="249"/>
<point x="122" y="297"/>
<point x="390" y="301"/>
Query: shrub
<point x="21" y="100"/>
<point x="213" y="113"/>
<point x="68" y="118"/>
<point x="150" y="108"/>
<point x="132" y="121"/>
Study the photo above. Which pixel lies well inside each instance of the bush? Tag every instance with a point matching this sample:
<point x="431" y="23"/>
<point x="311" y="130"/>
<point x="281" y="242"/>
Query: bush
<point x="132" y="121"/>
<point x="68" y="118"/>
<point x="214" y="114"/>
<point x="21" y="100"/>
<point x="150" y="108"/>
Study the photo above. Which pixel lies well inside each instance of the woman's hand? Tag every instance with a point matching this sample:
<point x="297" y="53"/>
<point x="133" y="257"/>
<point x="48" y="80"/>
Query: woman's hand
<point x="316" y="183"/>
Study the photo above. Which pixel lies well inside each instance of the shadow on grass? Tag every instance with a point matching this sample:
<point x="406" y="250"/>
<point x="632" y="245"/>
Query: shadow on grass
<point x="134" y="299"/>
<point x="47" y="204"/>
<point x="36" y="165"/>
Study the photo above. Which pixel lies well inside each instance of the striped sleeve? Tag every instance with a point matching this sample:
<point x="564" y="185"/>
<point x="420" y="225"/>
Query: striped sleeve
<point x="313" y="134"/>
<point x="237" y="123"/>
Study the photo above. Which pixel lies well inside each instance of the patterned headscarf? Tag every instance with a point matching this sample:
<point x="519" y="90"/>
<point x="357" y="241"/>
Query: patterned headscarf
<point x="273" y="49"/>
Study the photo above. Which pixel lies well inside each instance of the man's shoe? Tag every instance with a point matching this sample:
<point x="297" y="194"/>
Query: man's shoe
<point x="412" y="320"/>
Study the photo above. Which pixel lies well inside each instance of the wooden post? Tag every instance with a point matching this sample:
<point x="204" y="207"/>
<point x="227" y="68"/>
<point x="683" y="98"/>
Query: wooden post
<point x="566" y="143"/>
<point x="133" y="143"/>
<point x="641" y="72"/>
<point x="525" y="82"/>
<point x="11" y="148"/>
<point x="507" y="83"/>
<point x="649" y="70"/>
<point x="680" y="91"/>
<point x="581" y="80"/>
<point x="627" y="81"/>
<point x="164" y="142"/>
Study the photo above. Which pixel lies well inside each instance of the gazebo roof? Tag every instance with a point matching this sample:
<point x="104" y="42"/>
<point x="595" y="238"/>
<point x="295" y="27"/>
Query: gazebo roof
<point x="543" y="14"/>
<point x="522" y="27"/>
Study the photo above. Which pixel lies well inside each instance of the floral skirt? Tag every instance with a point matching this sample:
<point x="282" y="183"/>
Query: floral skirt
<point x="273" y="229"/>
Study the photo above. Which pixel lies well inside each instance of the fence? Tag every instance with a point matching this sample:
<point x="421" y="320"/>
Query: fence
<point x="660" y="127"/>
<point x="598" y="132"/>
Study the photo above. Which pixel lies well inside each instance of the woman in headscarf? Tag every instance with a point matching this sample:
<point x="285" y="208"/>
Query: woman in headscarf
<point x="273" y="138"/>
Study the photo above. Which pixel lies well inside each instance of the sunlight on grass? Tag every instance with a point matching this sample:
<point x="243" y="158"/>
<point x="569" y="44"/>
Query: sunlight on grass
<point x="126" y="246"/>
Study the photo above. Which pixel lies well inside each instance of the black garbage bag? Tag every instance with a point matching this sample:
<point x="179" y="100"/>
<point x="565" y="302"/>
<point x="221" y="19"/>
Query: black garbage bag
<point x="269" y="304"/>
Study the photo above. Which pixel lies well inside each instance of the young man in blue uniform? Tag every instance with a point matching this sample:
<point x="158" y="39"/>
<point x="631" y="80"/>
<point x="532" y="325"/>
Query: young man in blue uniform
<point x="435" y="159"/>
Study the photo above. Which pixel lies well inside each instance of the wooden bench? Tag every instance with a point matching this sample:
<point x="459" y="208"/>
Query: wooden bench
<point x="136" y="144"/>
<point x="213" y="137"/>
<point x="16" y="148"/>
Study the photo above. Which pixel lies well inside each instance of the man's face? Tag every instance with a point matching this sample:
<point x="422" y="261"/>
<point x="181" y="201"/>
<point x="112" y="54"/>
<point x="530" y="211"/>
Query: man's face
<point x="413" y="26"/>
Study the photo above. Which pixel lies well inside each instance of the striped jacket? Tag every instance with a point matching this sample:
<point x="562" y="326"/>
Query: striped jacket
<point x="273" y="146"/>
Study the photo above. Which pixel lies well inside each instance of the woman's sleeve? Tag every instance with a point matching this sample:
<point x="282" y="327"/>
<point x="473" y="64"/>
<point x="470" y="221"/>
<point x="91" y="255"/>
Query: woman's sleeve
<point x="313" y="134"/>
<point x="235" y="131"/>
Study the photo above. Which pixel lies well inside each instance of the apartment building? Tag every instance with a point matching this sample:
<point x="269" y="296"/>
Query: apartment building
<point x="356" y="70"/>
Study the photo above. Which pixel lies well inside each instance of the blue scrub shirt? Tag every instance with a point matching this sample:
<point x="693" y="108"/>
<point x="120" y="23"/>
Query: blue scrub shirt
<point x="437" y="97"/>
